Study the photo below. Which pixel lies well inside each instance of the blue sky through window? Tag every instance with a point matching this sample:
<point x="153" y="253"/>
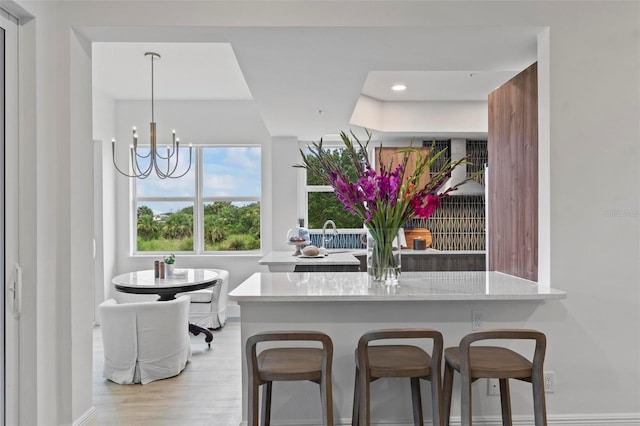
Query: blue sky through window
<point x="227" y="172"/>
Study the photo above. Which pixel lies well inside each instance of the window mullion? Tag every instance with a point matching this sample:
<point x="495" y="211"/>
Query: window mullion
<point x="198" y="208"/>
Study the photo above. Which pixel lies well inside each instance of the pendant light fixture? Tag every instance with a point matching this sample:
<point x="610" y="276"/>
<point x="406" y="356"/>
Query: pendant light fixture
<point x="165" y="166"/>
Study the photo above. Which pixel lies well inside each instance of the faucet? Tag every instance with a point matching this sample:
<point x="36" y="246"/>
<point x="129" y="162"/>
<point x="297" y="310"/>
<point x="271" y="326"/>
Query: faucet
<point x="324" y="232"/>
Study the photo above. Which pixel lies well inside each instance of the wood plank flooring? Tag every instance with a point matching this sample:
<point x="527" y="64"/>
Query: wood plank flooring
<point x="207" y="392"/>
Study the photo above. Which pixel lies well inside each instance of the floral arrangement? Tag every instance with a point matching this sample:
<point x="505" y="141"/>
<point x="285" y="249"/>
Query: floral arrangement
<point x="384" y="199"/>
<point x="170" y="260"/>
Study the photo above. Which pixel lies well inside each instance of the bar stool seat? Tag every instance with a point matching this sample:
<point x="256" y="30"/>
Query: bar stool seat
<point x="475" y="362"/>
<point x="288" y="364"/>
<point x="492" y="362"/>
<point x="377" y="361"/>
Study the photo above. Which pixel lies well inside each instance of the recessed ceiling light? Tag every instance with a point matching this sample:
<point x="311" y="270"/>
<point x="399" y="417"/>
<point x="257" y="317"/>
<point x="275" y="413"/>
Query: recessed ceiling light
<point x="399" y="87"/>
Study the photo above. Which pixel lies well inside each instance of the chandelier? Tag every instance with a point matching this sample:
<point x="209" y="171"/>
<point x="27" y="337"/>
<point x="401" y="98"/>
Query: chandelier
<point x="165" y="166"/>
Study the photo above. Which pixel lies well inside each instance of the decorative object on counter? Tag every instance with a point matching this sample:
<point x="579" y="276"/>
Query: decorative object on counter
<point x="299" y="237"/>
<point x="384" y="199"/>
<point x="156" y="269"/>
<point x="417" y="233"/>
<point x="170" y="264"/>
<point x="419" y="244"/>
<point x="383" y="255"/>
<point x="311" y="251"/>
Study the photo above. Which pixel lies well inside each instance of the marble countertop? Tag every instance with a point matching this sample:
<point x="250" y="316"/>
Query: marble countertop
<point x="413" y="286"/>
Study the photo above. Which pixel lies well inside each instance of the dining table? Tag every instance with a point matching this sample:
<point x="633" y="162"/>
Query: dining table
<point x="181" y="281"/>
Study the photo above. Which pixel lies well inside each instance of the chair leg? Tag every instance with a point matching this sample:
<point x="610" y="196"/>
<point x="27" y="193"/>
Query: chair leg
<point x="465" y="400"/>
<point x="539" y="404"/>
<point x="327" y="400"/>
<point x="436" y="399"/>
<point x="252" y="402"/>
<point x="447" y="389"/>
<point x="505" y="402"/>
<point x="417" y="401"/>
<point x="266" y="404"/>
<point x="365" y="392"/>
<point x="356" y="400"/>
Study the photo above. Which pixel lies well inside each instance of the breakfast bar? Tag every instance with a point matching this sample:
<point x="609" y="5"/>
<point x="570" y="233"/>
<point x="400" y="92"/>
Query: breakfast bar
<point x="345" y="305"/>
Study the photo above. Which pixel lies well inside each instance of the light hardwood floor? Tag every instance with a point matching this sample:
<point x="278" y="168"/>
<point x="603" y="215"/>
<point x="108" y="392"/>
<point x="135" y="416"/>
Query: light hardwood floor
<point x="207" y="392"/>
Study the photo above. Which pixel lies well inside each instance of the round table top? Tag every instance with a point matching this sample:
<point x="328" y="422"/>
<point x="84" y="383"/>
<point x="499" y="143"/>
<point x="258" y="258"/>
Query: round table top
<point x="183" y="280"/>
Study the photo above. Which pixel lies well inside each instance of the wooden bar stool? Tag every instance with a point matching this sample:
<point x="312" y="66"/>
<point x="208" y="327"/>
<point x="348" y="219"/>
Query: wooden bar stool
<point x="288" y="364"/>
<point x="376" y="361"/>
<point x="474" y="362"/>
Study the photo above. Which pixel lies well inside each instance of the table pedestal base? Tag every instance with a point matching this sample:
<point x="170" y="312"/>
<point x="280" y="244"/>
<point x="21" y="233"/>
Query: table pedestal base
<point x="196" y="329"/>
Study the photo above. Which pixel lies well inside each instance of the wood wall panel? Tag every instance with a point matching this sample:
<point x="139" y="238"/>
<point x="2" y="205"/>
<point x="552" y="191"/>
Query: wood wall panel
<point x="513" y="176"/>
<point x="392" y="157"/>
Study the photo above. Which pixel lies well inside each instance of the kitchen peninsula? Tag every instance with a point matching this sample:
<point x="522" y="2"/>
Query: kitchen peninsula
<point x="345" y="305"/>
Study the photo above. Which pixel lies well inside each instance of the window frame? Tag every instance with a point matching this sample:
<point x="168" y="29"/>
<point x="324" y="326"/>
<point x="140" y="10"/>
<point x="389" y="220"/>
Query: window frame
<point x="304" y="190"/>
<point x="199" y="201"/>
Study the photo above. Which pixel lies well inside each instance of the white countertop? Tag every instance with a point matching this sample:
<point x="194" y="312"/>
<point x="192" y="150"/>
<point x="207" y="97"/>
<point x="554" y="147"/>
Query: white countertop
<point x="285" y="260"/>
<point x="413" y="286"/>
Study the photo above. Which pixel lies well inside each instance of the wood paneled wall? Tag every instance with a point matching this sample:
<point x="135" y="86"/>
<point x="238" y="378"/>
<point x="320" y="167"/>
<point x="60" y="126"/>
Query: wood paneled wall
<point x="513" y="176"/>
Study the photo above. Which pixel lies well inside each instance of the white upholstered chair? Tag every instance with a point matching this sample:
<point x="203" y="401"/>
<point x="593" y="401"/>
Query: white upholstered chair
<point x="144" y="341"/>
<point x="208" y="307"/>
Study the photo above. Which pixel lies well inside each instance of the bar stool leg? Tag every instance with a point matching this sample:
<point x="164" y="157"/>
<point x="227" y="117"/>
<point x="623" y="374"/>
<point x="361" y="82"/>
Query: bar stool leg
<point x="447" y="389"/>
<point x="365" y="393"/>
<point x="266" y="404"/>
<point x="417" y="401"/>
<point x="505" y="402"/>
<point x="327" y="401"/>
<point x="356" y="400"/>
<point x="465" y="400"/>
<point x="436" y="398"/>
<point x="539" y="405"/>
<point x="252" y="402"/>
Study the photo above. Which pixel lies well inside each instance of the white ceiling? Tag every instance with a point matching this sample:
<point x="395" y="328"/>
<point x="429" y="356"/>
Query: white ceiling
<point x="292" y="73"/>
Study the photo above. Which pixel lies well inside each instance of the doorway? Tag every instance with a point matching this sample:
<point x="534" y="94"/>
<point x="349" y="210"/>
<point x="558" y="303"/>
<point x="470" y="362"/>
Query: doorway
<point x="10" y="297"/>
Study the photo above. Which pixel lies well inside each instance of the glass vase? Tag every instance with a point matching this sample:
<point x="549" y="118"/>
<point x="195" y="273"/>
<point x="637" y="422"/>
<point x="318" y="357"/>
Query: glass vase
<point x="383" y="255"/>
<point x="170" y="267"/>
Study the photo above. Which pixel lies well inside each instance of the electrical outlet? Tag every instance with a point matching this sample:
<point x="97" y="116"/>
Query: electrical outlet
<point x="477" y="319"/>
<point x="493" y="387"/>
<point x="549" y="381"/>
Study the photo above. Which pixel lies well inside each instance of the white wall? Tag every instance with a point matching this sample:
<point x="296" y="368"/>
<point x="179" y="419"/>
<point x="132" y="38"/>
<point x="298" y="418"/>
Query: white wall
<point x="104" y="129"/>
<point x="454" y="117"/>
<point x="594" y="180"/>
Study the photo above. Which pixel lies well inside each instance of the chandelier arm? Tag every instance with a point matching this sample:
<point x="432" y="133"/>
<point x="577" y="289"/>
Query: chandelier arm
<point x="170" y="153"/>
<point x="186" y="171"/>
<point x="123" y="173"/>
<point x="113" y="156"/>
<point x="161" y="174"/>
<point x="175" y="165"/>
<point x="140" y="155"/>
<point x="135" y="166"/>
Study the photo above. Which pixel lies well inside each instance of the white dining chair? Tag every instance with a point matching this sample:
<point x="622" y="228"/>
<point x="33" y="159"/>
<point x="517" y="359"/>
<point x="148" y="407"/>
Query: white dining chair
<point x="144" y="341"/>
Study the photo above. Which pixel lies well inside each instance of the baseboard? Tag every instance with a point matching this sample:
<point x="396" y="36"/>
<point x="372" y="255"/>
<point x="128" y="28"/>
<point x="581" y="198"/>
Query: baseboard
<point x="609" y="419"/>
<point x="86" y="418"/>
<point x="618" y="419"/>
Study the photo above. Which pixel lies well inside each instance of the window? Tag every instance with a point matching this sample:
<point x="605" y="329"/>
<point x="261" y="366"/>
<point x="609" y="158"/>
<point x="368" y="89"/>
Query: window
<point x="322" y="204"/>
<point x="214" y="207"/>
